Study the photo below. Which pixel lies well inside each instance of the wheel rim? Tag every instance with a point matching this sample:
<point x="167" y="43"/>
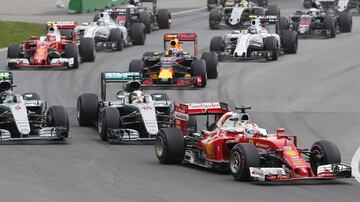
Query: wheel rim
<point x="235" y="162"/>
<point x="78" y="111"/>
<point x="159" y="146"/>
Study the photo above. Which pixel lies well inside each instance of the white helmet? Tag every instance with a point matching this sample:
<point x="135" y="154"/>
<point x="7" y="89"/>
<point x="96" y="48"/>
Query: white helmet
<point x="137" y="96"/>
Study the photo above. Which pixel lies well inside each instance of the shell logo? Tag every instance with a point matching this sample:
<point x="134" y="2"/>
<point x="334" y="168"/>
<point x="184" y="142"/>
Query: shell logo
<point x="291" y="152"/>
<point x="209" y="149"/>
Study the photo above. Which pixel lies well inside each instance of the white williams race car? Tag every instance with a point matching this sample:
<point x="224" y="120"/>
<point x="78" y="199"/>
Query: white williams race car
<point x="255" y="42"/>
<point x="23" y="117"/>
<point x="110" y="34"/>
<point x="131" y="116"/>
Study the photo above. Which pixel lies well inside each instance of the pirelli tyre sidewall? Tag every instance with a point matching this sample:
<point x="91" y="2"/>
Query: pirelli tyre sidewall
<point x="324" y="152"/>
<point x="87" y="49"/>
<point x="146" y="20"/>
<point x="345" y="21"/>
<point x="138" y="33"/>
<point x="211" y="62"/>
<point x="71" y="51"/>
<point x="109" y="118"/>
<point x="170" y="146"/>
<point x="87" y="109"/>
<point x="136" y="66"/>
<point x="242" y="157"/>
<point x="117" y="38"/>
<point x="164" y="19"/>
<point x="57" y="117"/>
<point x="215" y="18"/>
<point x="198" y="68"/>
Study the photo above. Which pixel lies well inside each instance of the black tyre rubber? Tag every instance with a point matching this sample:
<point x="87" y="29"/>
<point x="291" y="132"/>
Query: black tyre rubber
<point x="136" y="66"/>
<point x="329" y="24"/>
<point x="262" y="3"/>
<point x="30" y="96"/>
<point x="148" y="54"/>
<point x="210" y="2"/>
<point x="87" y="109"/>
<point x="199" y="69"/>
<point x="211" y="62"/>
<point x="110" y="119"/>
<point x="345" y="21"/>
<point x="289" y="41"/>
<point x="146" y="20"/>
<point x="242" y="157"/>
<point x="217" y="44"/>
<point x="271" y="44"/>
<point x="72" y="52"/>
<point x="14" y="51"/>
<point x="164" y="18"/>
<point x="160" y="97"/>
<point x="138" y="33"/>
<point x="324" y="152"/>
<point x="116" y="37"/>
<point x="87" y="49"/>
<point x="284" y="23"/>
<point x="56" y="116"/>
<point x="259" y="11"/>
<point x="307" y="4"/>
<point x="170" y="146"/>
<point x="273" y="10"/>
<point x="214" y="18"/>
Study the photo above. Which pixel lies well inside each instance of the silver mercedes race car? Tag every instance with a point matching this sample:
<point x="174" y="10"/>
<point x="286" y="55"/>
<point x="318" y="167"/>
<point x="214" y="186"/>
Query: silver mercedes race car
<point x="24" y="117"/>
<point x="131" y="116"/>
<point x="112" y="35"/>
<point x="256" y="41"/>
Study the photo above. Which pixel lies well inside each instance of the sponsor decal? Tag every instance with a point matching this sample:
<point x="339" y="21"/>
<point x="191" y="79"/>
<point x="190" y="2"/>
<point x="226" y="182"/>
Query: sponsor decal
<point x="181" y="116"/>
<point x="17" y="107"/>
<point x="213" y="105"/>
<point x="262" y="145"/>
<point x="291" y="152"/>
<point x="147" y="107"/>
<point x="251" y="141"/>
<point x="209" y="149"/>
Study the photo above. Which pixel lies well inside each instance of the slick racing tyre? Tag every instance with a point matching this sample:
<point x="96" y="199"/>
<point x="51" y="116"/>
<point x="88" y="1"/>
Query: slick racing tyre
<point x="164" y="19"/>
<point x="284" y="23"/>
<point x="217" y="44"/>
<point x="242" y="157"/>
<point x="146" y="20"/>
<point x="87" y="109"/>
<point x="289" y="41"/>
<point x="14" y="51"/>
<point x="136" y="66"/>
<point x="138" y="33"/>
<point x="271" y="45"/>
<point x="199" y="69"/>
<point x="109" y="119"/>
<point x="117" y="38"/>
<point x="170" y="146"/>
<point x="307" y="4"/>
<point x="211" y="62"/>
<point x="323" y="152"/>
<point x="72" y="52"/>
<point x="273" y="10"/>
<point x="262" y="3"/>
<point x="345" y="21"/>
<point x="214" y="18"/>
<point x="210" y="4"/>
<point x="87" y="49"/>
<point x="57" y="117"/>
<point x="330" y="26"/>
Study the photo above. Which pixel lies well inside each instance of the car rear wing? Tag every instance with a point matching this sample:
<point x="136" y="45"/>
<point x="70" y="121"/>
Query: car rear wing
<point x="62" y="24"/>
<point x="181" y="37"/>
<point x="206" y="108"/>
<point x="117" y="77"/>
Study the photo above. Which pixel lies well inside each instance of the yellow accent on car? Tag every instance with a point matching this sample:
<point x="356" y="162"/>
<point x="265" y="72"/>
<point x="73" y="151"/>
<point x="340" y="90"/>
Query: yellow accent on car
<point x="165" y="74"/>
<point x="187" y="76"/>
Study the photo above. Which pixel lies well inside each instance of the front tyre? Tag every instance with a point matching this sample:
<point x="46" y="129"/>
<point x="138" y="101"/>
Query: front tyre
<point x="242" y="157"/>
<point x="324" y="152"/>
<point x="170" y="146"/>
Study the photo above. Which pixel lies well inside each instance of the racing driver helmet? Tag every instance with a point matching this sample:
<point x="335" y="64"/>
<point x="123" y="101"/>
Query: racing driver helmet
<point x="51" y="35"/>
<point x="252" y="30"/>
<point x="137" y="96"/>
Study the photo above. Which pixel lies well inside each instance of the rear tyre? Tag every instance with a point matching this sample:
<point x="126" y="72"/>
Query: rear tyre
<point x="210" y="3"/>
<point x="199" y="70"/>
<point x="170" y="146"/>
<point x="138" y="33"/>
<point x="345" y="21"/>
<point x="324" y="152"/>
<point x="307" y="4"/>
<point x="57" y="117"/>
<point x="164" y="18"/>
<point x="259" y="11"/>
<point x="214" y="18"/>
<point x="273" y="10"/>
<point x="289" y="41"/>
<point x="217" y="44"/>
<point x="284" y="23"/>
<point x="87" y="109"/>
<point x="117" y="38"/>
<point x="211" y="62"/>
<point x="146" y="20"/>
<point x="242" y="157"/>
<point x="72" y="52"/>
<point x="87" y="49"/>
<point x="330" y="26"/>
<point x="271" y="45"/>
<point x="262" y="3"/>
<point x="109" y="119"/>
<point x="136" y="66"/>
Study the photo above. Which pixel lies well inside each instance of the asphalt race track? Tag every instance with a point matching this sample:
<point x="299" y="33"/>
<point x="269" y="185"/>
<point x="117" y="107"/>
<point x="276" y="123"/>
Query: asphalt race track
<point x="314" y="94"/>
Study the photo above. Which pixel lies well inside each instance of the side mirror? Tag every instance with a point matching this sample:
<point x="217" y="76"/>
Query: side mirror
<point x="280" y="130"/>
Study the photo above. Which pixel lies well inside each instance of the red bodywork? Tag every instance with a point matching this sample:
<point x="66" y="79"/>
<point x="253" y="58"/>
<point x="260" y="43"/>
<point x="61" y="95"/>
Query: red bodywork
<point x="216" y="144"/>
<point x="37" y="51"/>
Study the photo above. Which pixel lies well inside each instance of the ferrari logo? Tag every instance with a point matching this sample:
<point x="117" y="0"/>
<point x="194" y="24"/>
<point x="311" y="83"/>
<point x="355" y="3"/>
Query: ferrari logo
<point x="17" y="107"/>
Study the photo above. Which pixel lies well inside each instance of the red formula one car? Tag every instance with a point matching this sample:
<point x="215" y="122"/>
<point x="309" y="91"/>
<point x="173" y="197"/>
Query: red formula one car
<point x="175" y="66"/>
<point x="58" y="48"/>
<point x="234" y="143"/>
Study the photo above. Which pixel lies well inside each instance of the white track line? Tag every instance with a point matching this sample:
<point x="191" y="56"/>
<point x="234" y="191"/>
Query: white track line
<point x="187" y="11"/>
